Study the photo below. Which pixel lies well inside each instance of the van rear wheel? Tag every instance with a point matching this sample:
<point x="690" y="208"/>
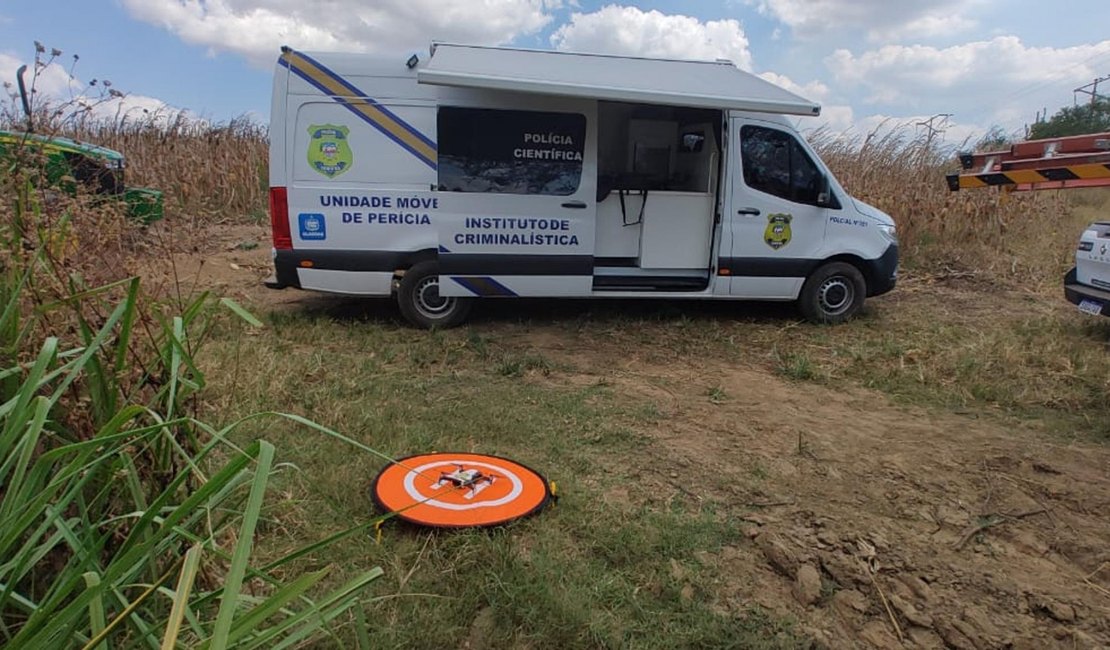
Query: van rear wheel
<point x="420" y="303"/>
<point x="833" y="293"/>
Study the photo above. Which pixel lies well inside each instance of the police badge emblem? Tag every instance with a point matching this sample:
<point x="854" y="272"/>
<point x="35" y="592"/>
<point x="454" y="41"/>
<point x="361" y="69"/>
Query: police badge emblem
<point x="328" y="150"/>
<point x="778" y="232"/>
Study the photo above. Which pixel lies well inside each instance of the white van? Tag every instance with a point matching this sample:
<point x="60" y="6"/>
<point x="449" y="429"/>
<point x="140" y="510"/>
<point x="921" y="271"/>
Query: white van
<point x="495" y="172"/>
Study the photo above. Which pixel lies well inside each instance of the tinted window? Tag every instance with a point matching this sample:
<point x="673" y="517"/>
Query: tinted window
<point x="775" y="163"/>
<point x="512" y="152"/>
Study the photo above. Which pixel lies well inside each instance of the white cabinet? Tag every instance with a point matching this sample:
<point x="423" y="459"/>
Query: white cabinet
<point x="675" y="232"/>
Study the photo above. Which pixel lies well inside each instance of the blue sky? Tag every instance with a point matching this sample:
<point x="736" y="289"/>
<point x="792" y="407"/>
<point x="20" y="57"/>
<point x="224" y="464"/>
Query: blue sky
<point x="985" y="61"/>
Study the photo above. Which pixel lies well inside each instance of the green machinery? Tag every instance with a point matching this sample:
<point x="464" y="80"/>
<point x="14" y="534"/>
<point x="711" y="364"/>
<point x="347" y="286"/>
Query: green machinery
<point x="67" y="163"/>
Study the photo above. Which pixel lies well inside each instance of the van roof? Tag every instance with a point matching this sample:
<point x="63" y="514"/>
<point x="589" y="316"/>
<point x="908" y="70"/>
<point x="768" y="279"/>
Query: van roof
<point x="704" y="84"/>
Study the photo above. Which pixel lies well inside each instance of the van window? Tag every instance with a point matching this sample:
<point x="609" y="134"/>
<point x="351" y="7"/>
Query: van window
<point x="510" y="152"/>
<point x="774" y="162"/>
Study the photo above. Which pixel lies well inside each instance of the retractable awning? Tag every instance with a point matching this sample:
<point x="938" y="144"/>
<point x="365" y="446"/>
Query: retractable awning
<point x="616" y="78"/>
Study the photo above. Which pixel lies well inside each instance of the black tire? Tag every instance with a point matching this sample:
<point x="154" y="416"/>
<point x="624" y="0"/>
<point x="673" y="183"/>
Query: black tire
<point x="833" y="293"/>
<point x="420" y="303"/>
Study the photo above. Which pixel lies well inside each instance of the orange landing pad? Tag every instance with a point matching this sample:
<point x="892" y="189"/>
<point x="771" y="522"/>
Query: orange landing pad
<point x="449" y="490"/>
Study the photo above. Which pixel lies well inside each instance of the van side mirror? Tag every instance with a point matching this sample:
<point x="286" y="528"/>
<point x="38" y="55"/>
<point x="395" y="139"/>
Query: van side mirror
<point x="824" y="193"/>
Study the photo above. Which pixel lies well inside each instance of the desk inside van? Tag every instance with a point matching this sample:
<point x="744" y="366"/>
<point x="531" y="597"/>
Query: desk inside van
<point x="675" y="232"/>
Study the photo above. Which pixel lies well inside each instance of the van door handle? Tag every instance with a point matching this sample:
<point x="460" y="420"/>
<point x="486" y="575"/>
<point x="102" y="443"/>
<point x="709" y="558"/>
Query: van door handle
<point x="577" y="205"/>
<point x="751" y="212"/>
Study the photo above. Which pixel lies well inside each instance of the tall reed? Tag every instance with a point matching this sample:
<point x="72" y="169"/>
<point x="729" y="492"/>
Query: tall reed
<point x="901" y="170"/>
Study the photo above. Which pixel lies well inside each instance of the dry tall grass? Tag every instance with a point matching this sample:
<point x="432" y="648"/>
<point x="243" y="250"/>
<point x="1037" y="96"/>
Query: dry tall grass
<point x="209" y="171"/>
<point x="1024" y="237"/>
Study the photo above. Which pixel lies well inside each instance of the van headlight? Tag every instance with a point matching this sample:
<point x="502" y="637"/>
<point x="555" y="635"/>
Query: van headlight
<point x="888" y="231"/>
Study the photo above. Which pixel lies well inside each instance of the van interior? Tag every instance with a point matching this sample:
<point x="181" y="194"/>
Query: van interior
<point x="658" y="178"/>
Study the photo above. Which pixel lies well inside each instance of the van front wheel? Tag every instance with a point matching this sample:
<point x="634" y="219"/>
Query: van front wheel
<point x="833" y="293"/>
<point x="420" y="302"/>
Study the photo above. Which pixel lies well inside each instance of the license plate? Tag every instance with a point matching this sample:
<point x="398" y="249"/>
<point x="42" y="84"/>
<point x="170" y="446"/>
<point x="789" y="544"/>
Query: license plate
<point x="1092" y="307"/>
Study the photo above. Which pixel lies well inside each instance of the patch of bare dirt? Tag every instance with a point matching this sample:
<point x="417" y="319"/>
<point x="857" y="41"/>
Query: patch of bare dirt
<point x="872" y="524"/>
<point x="230" y="260"/>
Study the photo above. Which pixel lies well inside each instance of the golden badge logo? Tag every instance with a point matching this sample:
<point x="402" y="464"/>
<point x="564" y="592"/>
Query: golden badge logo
<point x="328" y="149"/>
<point x="778" y="232"/>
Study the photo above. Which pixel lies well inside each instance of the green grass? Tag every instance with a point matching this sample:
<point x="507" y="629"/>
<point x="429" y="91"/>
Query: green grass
<point x="798" y="366"/>
<point x="593" y="571"/>
<point x="1047" y="362"/>
<point x="1011" y="352"/>
<point x="599" y="569"/>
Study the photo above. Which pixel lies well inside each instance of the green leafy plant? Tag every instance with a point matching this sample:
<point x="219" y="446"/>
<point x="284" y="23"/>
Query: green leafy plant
<point x="1092" y="117"/>
<point x="90" y="543"/>
<point x="127" y="520"/>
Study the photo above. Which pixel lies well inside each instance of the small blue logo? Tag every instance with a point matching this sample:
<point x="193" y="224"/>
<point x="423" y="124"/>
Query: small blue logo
<point x="312" y="226"/>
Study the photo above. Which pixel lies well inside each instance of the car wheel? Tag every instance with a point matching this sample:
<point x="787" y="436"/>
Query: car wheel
<point x="420" y="303"/>
<point x="833" y="293"/>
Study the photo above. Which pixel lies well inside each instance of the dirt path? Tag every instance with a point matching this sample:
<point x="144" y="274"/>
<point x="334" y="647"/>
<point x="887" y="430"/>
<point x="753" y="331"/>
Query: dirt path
<point x="873" y="525"/>
<point x="863" y="513"/>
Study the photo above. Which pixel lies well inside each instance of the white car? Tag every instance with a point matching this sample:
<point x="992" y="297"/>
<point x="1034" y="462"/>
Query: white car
<point x="1088" y="284"/>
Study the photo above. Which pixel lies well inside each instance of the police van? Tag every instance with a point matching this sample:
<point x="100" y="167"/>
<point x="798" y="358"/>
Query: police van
<point x="481" y="172"/>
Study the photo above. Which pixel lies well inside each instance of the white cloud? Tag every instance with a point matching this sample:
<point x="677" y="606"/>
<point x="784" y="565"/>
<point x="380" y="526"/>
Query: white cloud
<point x="139" y="108"/>
<point x="257" y="28"/>
<point x="883" y="20"/>
<point x="56" y="87"/>
<point x="616" y="29"/>
<point x="53" y="80"/>
<point x="841" y="122"/>
<point x="837" y="118"/>
<point x="924" y="26"/>
<point x="814" y="90"/>
<point x="1001" y="80"/>
<point x="943" y="128"/>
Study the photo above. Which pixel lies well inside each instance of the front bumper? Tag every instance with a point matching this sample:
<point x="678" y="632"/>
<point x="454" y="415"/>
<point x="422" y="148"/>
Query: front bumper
<point x="1076" y="293"/>
<point x="882" y="272"/>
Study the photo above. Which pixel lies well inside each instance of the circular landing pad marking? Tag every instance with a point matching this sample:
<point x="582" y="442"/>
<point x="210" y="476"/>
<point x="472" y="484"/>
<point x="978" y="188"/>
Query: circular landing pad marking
<point x="459" y="490"/>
